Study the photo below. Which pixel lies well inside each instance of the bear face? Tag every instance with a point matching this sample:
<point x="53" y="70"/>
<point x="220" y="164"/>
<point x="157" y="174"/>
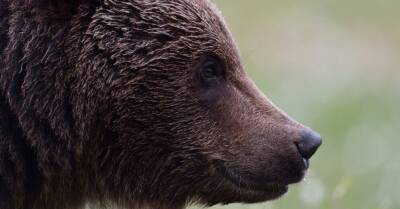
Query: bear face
<point x="164" y="112"/>
<point x="181" y="103"/>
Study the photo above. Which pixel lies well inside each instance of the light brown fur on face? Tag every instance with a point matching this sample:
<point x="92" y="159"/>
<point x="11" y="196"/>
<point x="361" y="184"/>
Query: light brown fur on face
<point x="141" y="103"/>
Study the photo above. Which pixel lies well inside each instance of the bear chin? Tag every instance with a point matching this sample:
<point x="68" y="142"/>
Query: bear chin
<point x="233" y="188"/>
<point x="256" y="196"/>
<point x="249" y="190"/>
<point x="258" y="185"/>
<point x="243" y="195"/>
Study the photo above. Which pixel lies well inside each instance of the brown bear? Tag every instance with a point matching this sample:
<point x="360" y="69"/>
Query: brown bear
<point x="135" y="103"/>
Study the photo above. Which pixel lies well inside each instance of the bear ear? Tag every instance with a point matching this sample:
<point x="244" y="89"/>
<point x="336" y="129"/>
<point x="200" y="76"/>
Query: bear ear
<point x="49" y="4"/>
<point x="42" y="9"/>
<point x="54" y="8"/>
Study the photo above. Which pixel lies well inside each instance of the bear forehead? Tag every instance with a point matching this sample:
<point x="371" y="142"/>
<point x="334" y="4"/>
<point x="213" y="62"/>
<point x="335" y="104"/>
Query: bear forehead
<point x="191" y="23"/>
<point x="200" y="13"/>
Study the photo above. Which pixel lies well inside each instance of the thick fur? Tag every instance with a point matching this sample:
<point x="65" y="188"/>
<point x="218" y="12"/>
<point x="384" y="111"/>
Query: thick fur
<point x="98" y="103"/>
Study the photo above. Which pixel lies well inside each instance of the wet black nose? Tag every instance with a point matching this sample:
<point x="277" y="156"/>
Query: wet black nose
<point x="309" y="144"/>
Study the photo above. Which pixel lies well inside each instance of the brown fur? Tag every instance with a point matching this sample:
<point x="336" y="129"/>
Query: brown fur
<point x="100" y="102"/>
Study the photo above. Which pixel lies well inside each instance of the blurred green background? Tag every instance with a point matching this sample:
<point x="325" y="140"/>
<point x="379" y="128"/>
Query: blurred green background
<point x="334" y="65"/>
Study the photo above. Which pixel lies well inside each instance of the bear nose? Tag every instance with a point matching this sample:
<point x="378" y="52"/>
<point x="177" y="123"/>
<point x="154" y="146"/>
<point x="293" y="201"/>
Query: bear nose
<point x="309" y="143"/>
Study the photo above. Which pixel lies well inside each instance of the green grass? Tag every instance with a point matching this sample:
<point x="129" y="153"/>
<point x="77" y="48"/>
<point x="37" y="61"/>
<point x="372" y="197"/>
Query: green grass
<point x="333" y="65"/>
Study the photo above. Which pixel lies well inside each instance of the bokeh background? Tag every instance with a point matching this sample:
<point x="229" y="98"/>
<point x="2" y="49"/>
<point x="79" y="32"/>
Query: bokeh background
<point x="335" y="66"/>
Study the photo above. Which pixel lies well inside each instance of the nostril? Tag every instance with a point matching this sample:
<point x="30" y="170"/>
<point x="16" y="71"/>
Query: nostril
<point x="309" y="144"/>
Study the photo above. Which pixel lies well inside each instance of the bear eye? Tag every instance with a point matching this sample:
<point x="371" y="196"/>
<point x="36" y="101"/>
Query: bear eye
<point x="210" y="71"/>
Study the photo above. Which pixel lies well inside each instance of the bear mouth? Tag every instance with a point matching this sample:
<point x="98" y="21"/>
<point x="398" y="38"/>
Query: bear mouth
<point x="253" y="186"/>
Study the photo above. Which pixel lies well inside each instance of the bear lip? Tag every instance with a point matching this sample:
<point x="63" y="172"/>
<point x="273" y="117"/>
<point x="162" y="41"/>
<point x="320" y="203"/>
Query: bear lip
<point x="306" y="163"/>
